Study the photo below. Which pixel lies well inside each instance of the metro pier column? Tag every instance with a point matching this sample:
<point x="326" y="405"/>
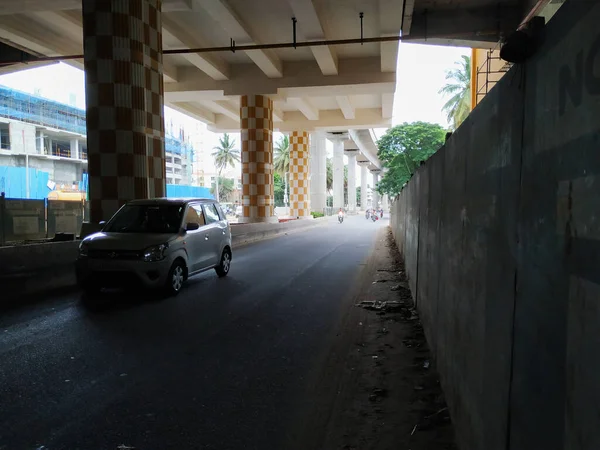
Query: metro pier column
<point x="299" y="172"/>
<point x="256" y="117"/>
<point x="122" y="41"/>
<point x="318" y="171"/>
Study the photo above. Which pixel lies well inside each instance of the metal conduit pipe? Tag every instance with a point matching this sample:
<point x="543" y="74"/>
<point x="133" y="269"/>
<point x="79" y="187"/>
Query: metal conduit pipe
<point x="233" y="47"/>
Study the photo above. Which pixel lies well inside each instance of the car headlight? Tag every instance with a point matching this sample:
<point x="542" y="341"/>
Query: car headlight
<point x="83" y="248"/>
<point x="155" y="253"/>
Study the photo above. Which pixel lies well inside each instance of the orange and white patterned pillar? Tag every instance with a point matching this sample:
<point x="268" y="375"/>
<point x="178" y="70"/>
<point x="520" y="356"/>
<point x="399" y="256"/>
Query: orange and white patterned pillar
<point x="256" y="117"/>
<point x="299" y="175"/>
<point x="122" y="41"/>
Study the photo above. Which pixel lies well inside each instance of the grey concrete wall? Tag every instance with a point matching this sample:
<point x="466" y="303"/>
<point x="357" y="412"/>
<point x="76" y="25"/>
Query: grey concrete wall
<point x="500" y="231"/>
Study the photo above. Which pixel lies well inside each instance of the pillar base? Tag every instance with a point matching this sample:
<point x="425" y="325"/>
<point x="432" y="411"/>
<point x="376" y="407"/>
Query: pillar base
<point x="272" y="219"/>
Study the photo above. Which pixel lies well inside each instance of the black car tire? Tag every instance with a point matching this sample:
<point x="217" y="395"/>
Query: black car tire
<point x="175" y="280"/>
<point x="225" y="264"/>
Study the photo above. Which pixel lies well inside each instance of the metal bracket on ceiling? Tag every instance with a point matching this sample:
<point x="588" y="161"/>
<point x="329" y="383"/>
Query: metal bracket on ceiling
<point x="294" y="21"/>
<point x="232" y="45"/>
<point x="361" y="15"/>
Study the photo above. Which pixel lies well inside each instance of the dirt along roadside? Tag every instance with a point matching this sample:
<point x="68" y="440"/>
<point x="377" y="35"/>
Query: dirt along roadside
<point x="378" y="389"/>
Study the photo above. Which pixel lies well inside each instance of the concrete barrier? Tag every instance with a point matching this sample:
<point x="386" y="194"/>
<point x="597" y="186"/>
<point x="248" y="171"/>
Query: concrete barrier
<point x="37" y="268"/>
<point x="34" y="268"/>
<point x="500" y="233"/>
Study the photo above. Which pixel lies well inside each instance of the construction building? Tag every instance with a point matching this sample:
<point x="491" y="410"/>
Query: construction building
<point x="43" y="148"/>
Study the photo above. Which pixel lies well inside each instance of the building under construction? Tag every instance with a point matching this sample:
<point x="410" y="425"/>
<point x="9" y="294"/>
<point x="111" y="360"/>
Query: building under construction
<point x="43" y="147"/>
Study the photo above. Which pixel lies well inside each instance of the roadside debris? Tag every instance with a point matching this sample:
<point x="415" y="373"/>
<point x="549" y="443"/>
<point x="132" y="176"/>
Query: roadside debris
<point x="400" y="287"/>
<point x="375" y="305"/>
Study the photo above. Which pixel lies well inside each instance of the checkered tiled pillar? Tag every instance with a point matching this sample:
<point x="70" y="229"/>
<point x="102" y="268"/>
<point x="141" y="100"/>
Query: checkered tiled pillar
<point x="124" y="99"/>
<point x="299" y="175"/>
<point x="256" y="113"/>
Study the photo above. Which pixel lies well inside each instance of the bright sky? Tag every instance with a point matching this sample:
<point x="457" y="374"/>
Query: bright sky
<point x="421" y="73"/>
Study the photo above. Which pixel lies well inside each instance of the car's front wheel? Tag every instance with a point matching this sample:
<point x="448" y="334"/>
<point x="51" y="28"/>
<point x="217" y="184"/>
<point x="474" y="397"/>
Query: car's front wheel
<point x="176" y="278"/>
<point x="225" y="264"/>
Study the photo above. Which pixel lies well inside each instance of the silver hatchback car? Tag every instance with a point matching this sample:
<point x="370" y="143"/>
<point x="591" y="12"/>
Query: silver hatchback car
<point x="156" y="243"/>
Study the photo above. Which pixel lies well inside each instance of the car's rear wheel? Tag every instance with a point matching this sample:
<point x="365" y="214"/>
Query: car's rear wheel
<point x="225" y="264"/>
<point x="176" y="278"/>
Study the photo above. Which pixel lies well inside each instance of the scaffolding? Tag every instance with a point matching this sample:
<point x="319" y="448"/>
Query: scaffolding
<point x="24" y="107"/>
<point x="490" y="73"/>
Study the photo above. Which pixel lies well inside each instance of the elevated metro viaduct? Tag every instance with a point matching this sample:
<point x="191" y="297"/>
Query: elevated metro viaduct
<point x="139" y="55"/>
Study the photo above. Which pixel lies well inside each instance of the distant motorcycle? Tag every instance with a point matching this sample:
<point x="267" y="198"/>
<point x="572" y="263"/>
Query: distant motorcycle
<point x="367" y="215"/>
<point x="374" y="218"/>
<point x="340" y="218"/>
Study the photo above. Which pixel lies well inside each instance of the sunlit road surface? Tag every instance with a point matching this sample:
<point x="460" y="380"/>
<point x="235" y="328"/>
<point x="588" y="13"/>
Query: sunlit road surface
<point x="222" y="366"/>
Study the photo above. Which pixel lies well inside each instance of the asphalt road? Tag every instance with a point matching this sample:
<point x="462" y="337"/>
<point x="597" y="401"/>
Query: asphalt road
<point x="224" y="365"/>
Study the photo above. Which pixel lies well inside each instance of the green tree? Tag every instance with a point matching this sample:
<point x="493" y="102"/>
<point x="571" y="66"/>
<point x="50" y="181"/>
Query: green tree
<point x="279" y="188"/>
<point x="224" y="155"/>
<point x="402" y="148"/>
<point x="358" y="197"/>
<point x="226" y="188"/>
<point x="281" y="157"/>
<point x="458" y="87"/>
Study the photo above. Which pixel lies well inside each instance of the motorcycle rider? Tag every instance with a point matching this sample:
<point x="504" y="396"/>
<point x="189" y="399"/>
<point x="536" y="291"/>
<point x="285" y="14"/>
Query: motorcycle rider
<point x="341" y="215"/>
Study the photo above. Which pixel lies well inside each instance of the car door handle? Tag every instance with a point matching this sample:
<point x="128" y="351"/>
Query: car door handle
<point x="206" y="237"/>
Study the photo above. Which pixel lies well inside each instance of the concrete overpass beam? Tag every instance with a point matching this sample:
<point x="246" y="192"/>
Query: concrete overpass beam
<point x="310" y="28"/>
<point x="318" y="171"/>
<point x="346" y="107"/>
<point x="257" y="159"/>
<point x="266" y="60"/>
<point x="211" y="65"/>
<point x="299" y="175"/>
<point x="124" y="96"/>
<point x="467" y="26"/>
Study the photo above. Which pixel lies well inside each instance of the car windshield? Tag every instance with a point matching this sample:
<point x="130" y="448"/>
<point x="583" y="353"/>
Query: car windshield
<point x="147" y="219"/>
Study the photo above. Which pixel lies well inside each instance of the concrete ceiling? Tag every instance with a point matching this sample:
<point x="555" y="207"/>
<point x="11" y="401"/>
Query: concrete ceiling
<point x="333" y="88"/>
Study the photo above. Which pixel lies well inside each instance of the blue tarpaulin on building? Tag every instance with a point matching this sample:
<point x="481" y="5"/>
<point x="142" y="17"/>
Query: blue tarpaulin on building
<point x="13" y="182"/>
<point x="178" y="191"/>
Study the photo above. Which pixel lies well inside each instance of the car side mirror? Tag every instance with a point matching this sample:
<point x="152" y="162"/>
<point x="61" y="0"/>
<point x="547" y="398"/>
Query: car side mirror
<point x="102" y="223"/>
<point x="192" y="226"/>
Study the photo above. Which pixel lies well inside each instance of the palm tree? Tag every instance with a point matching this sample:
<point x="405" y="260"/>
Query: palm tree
<point x="225" y="155"/>
<point x="458" y="87"/>
<point x="281" y="158"/>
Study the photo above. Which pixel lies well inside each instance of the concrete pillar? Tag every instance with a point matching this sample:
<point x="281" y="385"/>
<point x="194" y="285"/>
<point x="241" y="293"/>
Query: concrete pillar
<point x="351" y="154"/>
<point x="375" y="194"/>
<point x="122" y="41"/>
<point x="318" y="171"/>
<point x="364" y="173"/>
<point x="74" y="147"/>
<point x="338" y="173"/>
<point x="258" y="193"/>
<point x="299" y="172"/>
